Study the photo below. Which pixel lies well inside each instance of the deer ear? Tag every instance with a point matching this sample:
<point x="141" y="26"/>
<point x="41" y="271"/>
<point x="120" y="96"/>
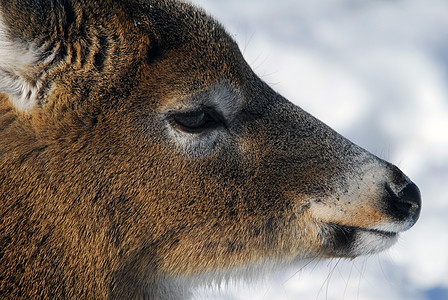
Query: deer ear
<point x="22" y="67"/>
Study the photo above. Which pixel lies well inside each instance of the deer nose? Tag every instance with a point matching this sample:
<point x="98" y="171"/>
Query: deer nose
<point x="407" y="203"/>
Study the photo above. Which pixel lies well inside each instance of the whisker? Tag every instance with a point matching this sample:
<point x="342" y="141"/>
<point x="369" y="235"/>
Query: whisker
<point x="301" y="269"/>
<point x="348" y="280"/>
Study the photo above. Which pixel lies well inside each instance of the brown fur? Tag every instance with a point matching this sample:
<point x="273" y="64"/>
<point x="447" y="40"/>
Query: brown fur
<point x="100" y="200"/>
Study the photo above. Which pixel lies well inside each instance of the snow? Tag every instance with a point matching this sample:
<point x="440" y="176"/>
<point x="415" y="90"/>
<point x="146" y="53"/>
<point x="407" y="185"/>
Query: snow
<point x="377" y="72"/>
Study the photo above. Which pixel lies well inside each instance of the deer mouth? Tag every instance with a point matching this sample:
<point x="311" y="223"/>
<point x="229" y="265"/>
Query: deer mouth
<point x="350" y="241"/>
<point x="386" y="234"/>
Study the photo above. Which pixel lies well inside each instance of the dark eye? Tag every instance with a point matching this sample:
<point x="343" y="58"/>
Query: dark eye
<point x="195" y="121"/>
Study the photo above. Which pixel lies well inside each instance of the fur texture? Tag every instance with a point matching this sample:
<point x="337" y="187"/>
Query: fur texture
<point x="139" y="153"/>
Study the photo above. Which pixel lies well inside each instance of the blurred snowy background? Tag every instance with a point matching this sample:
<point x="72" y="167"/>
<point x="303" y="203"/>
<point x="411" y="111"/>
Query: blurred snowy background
<point x="377" y="72"/>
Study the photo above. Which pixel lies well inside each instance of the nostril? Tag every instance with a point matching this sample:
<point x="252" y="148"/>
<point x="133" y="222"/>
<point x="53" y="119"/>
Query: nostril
<point x="411" y="194"/>
<point x="407" y="203"/>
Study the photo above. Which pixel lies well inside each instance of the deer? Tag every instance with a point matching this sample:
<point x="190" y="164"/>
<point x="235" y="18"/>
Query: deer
<point x="140" y="152"/>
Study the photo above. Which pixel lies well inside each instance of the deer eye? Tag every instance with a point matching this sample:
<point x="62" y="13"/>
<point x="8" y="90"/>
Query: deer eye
<point x="195" y="121"/>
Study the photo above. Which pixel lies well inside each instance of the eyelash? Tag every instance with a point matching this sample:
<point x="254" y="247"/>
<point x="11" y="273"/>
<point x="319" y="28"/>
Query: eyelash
<point x="196" y="121"/>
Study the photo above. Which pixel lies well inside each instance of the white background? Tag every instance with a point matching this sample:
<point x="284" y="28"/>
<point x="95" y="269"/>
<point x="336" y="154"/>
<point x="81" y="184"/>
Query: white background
<point x="377" y="72"/>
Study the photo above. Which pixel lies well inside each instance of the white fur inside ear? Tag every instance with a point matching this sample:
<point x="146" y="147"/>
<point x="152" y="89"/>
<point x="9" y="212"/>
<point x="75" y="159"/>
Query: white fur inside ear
<point x="19" y="72"/>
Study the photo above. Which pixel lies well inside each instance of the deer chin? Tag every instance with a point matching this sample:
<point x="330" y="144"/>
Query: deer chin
<point x="350" y="241"/>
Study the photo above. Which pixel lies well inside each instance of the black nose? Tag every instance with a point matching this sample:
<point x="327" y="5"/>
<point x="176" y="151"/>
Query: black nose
<point x="407" y="204"/>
